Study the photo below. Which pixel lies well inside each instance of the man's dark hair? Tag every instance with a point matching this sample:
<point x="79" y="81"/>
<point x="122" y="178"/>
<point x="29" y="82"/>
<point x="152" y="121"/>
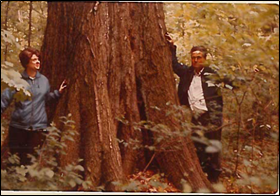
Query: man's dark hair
<point x="26" y="55"/>
<point x="201" y="49"/>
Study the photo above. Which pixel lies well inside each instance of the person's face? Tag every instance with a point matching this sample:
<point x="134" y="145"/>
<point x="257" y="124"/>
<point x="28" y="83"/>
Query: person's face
<point x="198" y="59"/>
<point x="34" y="63"/>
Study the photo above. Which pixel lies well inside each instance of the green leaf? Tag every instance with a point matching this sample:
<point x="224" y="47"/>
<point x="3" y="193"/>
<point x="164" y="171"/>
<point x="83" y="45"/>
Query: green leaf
<point x="79" y="168"/>
<point x="72" y="183"/>
<point x="50" y="173"/>
<point x="211" y="149"/>
<point x="187" y="188"/>
<point x="79" y="181"/>
<point x="203" y="190"/>
<point x="219" y="188"/>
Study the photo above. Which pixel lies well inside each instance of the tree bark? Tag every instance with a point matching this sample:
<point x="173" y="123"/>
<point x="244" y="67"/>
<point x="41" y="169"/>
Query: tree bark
<point x="116" y="61"/>
<point x="158" y="87"/>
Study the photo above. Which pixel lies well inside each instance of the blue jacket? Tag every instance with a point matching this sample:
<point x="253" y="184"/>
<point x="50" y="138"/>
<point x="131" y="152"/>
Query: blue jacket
<point x="30" y="114"/>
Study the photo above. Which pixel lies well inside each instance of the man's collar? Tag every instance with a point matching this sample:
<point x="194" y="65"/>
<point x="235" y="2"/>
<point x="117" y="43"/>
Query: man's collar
<point x="200" y="72"/>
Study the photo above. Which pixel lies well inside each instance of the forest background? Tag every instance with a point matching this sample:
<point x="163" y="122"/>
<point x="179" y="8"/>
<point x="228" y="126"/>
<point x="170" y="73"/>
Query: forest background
<point x="241" y="38"/>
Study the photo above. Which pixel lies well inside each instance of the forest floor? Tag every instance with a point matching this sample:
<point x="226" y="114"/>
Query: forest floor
<point x="257" y="168"/>
<point x="255" y="171"/>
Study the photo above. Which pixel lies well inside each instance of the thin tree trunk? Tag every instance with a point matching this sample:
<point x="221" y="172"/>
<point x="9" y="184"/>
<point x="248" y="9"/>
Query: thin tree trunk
<point x="183" y="21"/>
<point x="114" y="56"/>
<point x="30" y="24"/>
<point x="6" y="28"/>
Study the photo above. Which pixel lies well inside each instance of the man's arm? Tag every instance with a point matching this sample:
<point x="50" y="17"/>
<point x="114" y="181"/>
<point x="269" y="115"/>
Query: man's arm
<point x="178" y="68"/>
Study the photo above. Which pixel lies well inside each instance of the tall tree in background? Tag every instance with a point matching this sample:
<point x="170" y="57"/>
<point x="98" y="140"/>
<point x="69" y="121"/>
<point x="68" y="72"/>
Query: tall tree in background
<point x="30" y="23"/>
<point x="6" y="27"/>
<point x="118" y="64"/>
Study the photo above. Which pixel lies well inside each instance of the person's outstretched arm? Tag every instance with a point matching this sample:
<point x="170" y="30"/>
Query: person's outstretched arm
<point x="178" y="68"/>
<point x="6" y="98"/>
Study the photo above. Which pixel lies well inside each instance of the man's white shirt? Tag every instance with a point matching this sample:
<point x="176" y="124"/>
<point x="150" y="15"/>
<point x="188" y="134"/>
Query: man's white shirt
<point x="195" y="92"/>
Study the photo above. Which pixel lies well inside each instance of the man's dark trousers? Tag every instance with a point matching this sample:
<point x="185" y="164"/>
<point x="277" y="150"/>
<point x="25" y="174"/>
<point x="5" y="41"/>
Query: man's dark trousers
<point x="210" y="162"/>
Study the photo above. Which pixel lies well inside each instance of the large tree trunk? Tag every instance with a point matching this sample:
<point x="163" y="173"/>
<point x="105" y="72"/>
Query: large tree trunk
<point x="117" y="61"/>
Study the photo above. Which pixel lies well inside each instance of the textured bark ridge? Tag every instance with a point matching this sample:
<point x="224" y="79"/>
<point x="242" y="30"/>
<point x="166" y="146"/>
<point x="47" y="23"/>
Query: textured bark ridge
<point x="116" y="61"/>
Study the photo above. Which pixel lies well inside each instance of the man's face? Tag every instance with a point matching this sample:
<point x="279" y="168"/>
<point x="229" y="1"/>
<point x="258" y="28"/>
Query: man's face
<point x="34" y="62"/>
<point x="198" y="59"/>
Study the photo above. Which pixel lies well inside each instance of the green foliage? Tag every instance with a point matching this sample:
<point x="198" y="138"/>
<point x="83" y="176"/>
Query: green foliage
<point x="240" y="38"/>
<point x="14" y="81"/>
<point x="44" y="173"/>
<point x="14" y="37"/>
<point x="258" y="163"/>
<point x="243" y="46"/>
<point x="164" y="136"/>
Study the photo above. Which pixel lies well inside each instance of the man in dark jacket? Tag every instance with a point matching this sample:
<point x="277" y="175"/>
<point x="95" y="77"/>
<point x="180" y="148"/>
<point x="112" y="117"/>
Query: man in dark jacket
<point x="29" y="119"/>
<point x="201" y="94"/>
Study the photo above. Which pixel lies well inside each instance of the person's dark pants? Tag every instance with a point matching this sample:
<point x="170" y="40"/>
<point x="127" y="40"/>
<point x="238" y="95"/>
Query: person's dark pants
<point x="23" y="142"/>
<point x="210" y="162"/>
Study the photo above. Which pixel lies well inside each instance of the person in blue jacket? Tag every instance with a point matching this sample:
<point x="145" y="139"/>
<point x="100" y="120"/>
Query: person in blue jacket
<point x="29" y="120"/>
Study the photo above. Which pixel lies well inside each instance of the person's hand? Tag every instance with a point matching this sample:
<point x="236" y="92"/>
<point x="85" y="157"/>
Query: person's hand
<point x="170" y="41"/>
<point x="62" y="87"/>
